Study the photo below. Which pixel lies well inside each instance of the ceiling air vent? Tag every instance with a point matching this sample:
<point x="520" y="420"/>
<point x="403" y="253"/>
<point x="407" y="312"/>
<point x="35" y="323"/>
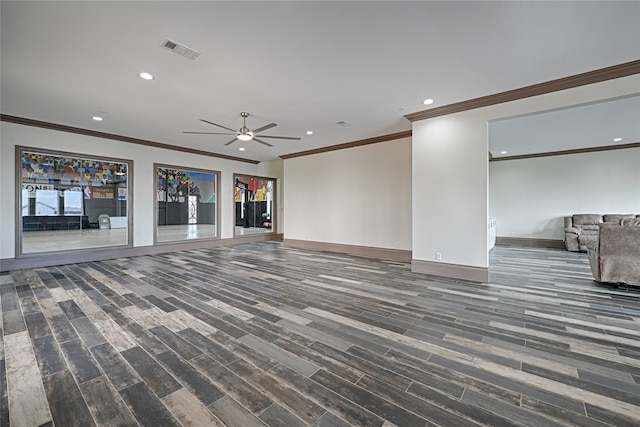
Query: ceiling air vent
<point x="180" y="49"/>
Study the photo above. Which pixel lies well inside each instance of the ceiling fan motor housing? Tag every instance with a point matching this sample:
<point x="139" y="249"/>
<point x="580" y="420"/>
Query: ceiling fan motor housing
<point x="245" y="134"/>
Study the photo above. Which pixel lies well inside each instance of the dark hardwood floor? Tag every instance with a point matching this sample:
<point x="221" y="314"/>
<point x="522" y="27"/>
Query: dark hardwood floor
<point x="259" y="334"/>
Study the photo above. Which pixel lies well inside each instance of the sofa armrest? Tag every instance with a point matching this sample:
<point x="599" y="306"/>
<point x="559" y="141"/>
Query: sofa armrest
<point x="571" y="242"/>
<point x="574" y="230"/>
<point x="568" y="221"/>
<point x="592" y="246"/>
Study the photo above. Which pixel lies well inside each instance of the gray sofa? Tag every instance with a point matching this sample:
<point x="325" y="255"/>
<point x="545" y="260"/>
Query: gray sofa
<point x="615" y="256"/>
<point x="582" y="229"/>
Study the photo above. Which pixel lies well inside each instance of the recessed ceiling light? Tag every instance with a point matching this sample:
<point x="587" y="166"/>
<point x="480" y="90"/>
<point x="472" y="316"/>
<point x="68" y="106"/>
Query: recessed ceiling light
<point x="428" y="101"/>
<point x="241" y="148"/>
<point x="309" y="132"/>
<point x="617" y="139"/>
<point x="503" y="152"/>
<point x="97" y="118"/>
<point x="146" y="76"/>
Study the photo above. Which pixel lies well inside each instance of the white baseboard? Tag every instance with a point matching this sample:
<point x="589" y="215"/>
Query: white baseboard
<point x="363" y="251"/>
<point x="530" y="242"/>
<point x="465" y="272"/>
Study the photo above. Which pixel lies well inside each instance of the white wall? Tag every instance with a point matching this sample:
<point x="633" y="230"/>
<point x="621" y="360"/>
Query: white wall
<point x="529" y="197"/>
<point x="357" y="196"/>
<point x="450" y="202"/>
<point x="143" y="176"/>
<point x="450" y="190"/>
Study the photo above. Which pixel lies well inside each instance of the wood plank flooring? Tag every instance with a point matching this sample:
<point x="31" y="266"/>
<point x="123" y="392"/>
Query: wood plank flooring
<point x="259" y="334"/>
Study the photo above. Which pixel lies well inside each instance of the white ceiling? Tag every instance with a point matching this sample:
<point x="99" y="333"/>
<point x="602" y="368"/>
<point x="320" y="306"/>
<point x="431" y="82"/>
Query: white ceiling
<point x="304" y="65"/>
<point x="608" y="122"/>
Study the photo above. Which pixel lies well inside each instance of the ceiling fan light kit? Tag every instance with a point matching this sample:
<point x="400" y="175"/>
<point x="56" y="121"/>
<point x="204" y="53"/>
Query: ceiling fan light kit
<point x="245" y="134"/>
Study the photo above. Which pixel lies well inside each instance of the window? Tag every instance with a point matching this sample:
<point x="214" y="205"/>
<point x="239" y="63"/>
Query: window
<point x="254" y="205"/>
<point x="71" y="201"/>
<point x="186" y="205"/>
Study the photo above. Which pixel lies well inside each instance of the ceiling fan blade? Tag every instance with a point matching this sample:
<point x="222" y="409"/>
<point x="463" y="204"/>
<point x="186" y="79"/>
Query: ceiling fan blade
<point x="211" y="133"/>
<point x="281" y="137"/>
<point x="262" y="142"/>
<point x="231" y="142"/>
<point x="265" y="127"/>
<point x="220" y="126"/>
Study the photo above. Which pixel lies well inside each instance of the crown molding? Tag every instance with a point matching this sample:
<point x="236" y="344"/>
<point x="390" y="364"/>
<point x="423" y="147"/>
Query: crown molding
<point x="374" y="140"/>
<point x="104" y="135"/>
<point x="590" y="77"/>
<point x="564" y="152"/>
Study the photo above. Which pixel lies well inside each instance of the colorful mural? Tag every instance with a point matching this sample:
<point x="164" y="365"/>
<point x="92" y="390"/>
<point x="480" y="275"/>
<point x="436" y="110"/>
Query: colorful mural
<point x="69" y="171"/>
<point x="173" y="185"/>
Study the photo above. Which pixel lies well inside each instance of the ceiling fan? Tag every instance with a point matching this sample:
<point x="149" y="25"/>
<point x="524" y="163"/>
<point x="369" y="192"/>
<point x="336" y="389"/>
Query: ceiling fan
<point x="244" y="134"/>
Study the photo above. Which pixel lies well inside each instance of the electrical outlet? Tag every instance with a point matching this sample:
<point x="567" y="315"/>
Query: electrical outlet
<point x="438" y="256"/>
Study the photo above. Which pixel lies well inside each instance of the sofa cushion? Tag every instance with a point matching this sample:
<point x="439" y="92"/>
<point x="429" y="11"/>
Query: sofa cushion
<point x="592" y="245"/>
<point x="585" y="239"/>
<point x="630" y="222"/>
<point x="616" y="217"/>
<point x="589" y="229"/>
<point x="587" y="219"/>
